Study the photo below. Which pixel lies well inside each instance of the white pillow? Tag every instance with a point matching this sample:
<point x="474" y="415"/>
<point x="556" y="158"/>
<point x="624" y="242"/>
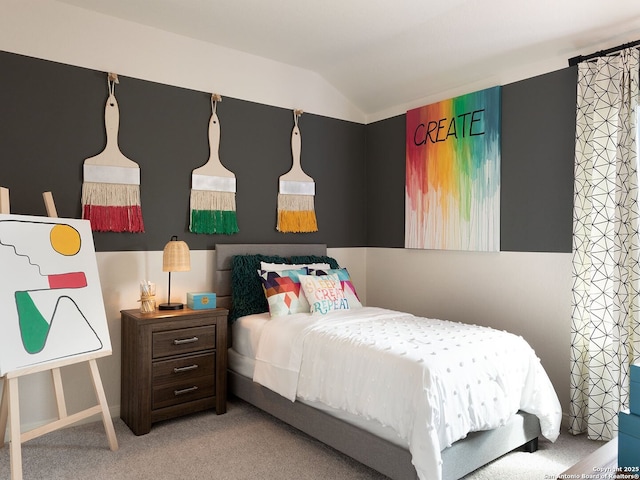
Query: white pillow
<point x="278" y="267"/>
<point x="324" y="293"/>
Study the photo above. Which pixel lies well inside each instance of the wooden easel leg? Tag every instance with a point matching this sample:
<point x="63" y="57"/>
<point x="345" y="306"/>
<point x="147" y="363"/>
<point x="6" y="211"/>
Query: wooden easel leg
<point x="102" y="400"/>
<point x="59" y="392"/>
<point x="5" y="207"/>
<point x="15" y="452"/>
<point x="4" y="411"/>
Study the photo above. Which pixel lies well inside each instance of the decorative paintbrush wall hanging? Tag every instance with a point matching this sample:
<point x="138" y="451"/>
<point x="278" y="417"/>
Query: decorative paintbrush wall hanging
<point x="111" y="188"/>
<point x="296" y="212"/>
<point x="213" y="188"/>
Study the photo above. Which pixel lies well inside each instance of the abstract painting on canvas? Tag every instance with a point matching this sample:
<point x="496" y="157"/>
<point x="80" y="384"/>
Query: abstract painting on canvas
<point x="452" y="191"/>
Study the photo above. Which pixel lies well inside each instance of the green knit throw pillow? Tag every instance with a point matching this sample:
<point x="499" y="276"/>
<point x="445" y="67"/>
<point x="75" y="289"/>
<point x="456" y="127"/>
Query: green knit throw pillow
<point x="247" y="294"/>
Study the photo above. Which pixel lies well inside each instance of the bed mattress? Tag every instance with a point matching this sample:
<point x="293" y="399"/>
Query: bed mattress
<point x="427" y="383"/>
<point x="241" y="359"/>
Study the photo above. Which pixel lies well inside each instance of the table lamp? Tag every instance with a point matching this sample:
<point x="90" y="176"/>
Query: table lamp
<point x="175" y="258"/>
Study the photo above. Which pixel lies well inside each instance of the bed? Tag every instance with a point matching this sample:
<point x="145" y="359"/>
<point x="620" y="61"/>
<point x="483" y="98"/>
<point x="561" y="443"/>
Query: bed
<point x="367" y="439"/>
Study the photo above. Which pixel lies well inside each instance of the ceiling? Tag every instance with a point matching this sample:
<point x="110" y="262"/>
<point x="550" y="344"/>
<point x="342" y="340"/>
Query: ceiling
<point x="384" y="53"/>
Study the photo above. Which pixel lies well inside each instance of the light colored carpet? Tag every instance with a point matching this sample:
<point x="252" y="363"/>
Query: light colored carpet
<point x="244" y="443"/>
<point x="548" y="462"/>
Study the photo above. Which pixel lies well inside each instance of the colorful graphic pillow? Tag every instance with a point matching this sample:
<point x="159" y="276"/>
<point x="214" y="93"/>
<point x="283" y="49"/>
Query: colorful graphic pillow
<point x="324" y="293"/>
<point x="345" y="281"/>
<point x="283" y="291"/>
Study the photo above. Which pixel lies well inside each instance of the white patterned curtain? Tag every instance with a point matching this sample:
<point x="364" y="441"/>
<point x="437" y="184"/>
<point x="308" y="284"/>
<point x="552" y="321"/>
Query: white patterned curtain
<point x="605" y="328"/>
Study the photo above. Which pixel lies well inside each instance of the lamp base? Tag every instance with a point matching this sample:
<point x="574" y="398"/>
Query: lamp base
<point x="171" y="306"/>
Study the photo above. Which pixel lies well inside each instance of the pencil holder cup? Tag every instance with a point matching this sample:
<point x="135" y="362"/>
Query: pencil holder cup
<point x="147" y="297"/>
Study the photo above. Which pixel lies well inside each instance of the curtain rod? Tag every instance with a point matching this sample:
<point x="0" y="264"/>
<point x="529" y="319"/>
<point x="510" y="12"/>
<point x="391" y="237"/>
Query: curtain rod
<point x="581" y="58"/>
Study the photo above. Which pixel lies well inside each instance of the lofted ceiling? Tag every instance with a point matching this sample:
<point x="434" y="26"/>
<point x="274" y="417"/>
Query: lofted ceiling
<point x="384" y="53"/>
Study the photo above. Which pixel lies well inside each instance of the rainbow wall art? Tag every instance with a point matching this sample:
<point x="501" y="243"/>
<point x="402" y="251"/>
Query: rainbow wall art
<point x="452" y="192"/>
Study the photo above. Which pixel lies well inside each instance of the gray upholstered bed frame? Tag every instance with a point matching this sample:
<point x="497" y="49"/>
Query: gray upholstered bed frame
<point x="461" y="458"/>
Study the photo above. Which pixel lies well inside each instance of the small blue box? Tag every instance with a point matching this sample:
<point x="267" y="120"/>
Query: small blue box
<point x="201" y="301"/>
<point x="634" y="390"/>
<point x="628" y="440"/>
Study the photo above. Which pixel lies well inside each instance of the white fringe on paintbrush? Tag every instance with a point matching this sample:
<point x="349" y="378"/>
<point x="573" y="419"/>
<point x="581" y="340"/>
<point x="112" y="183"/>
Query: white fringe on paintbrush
<point x="207" y="200"/>
<point x="110" y="194"/>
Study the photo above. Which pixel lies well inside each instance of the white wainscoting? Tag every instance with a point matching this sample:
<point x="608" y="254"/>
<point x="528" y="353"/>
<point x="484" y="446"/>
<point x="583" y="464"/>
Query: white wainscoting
<point x="528" y="294"/>
<point x="524" y="293"/>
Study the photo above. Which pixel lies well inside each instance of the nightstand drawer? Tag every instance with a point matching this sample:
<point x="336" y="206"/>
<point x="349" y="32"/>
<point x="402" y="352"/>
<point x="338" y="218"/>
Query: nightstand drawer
<point x="184" y="368"/>
<point x="185" y="391"/>
<point x="184" y="340"/>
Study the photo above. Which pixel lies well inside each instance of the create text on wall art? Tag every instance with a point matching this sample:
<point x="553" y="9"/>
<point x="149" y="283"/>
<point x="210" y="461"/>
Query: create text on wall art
<point x="452" y="189"/>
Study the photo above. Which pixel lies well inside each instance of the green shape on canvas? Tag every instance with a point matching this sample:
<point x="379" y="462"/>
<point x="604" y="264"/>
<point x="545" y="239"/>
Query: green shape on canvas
<point x="34" y="329"/>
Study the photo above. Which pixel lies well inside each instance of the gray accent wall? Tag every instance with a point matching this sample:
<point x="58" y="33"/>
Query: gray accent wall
<point x="52" y="118"/>
<point x="385" y="182"/>
<point x="538" y="149"/>
<point x="536" y="201"/>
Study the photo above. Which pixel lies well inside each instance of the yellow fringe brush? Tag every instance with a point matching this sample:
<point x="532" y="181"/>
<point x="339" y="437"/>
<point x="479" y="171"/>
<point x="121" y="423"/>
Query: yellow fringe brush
<point x="296" y="212"/>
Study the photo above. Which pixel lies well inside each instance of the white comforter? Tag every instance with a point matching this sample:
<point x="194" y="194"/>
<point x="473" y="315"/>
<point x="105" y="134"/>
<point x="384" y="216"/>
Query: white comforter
<point x="432" y="381"/>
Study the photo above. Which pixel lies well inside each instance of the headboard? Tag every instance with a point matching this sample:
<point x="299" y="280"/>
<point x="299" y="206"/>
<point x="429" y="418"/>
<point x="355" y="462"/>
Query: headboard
<point x="226" y="251"/>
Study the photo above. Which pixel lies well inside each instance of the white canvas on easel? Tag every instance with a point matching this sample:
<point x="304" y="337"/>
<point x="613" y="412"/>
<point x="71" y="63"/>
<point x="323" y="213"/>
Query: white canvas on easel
<point x="50" y="294"/>
<point x="60" y="316"/>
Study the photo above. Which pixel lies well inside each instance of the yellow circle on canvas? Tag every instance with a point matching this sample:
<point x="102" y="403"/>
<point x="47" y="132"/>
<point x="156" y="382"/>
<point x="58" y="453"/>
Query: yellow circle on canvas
<point x="65" y="240"/>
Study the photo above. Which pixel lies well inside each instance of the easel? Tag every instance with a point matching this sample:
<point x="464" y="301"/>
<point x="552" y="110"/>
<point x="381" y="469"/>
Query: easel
<point x="10" y="405"/>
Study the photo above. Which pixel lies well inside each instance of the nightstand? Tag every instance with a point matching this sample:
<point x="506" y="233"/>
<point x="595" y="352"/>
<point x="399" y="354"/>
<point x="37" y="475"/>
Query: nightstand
<point x="173" y="363"/>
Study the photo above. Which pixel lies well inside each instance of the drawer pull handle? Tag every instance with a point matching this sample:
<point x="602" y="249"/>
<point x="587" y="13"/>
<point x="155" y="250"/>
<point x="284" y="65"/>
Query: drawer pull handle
<point x="185" y="369"/>
<point x="185" y="340"/>
<point x="185" y="390"/>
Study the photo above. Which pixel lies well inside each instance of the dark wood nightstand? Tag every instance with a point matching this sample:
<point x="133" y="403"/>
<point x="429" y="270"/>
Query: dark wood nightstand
<point x="173" y="363"/>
